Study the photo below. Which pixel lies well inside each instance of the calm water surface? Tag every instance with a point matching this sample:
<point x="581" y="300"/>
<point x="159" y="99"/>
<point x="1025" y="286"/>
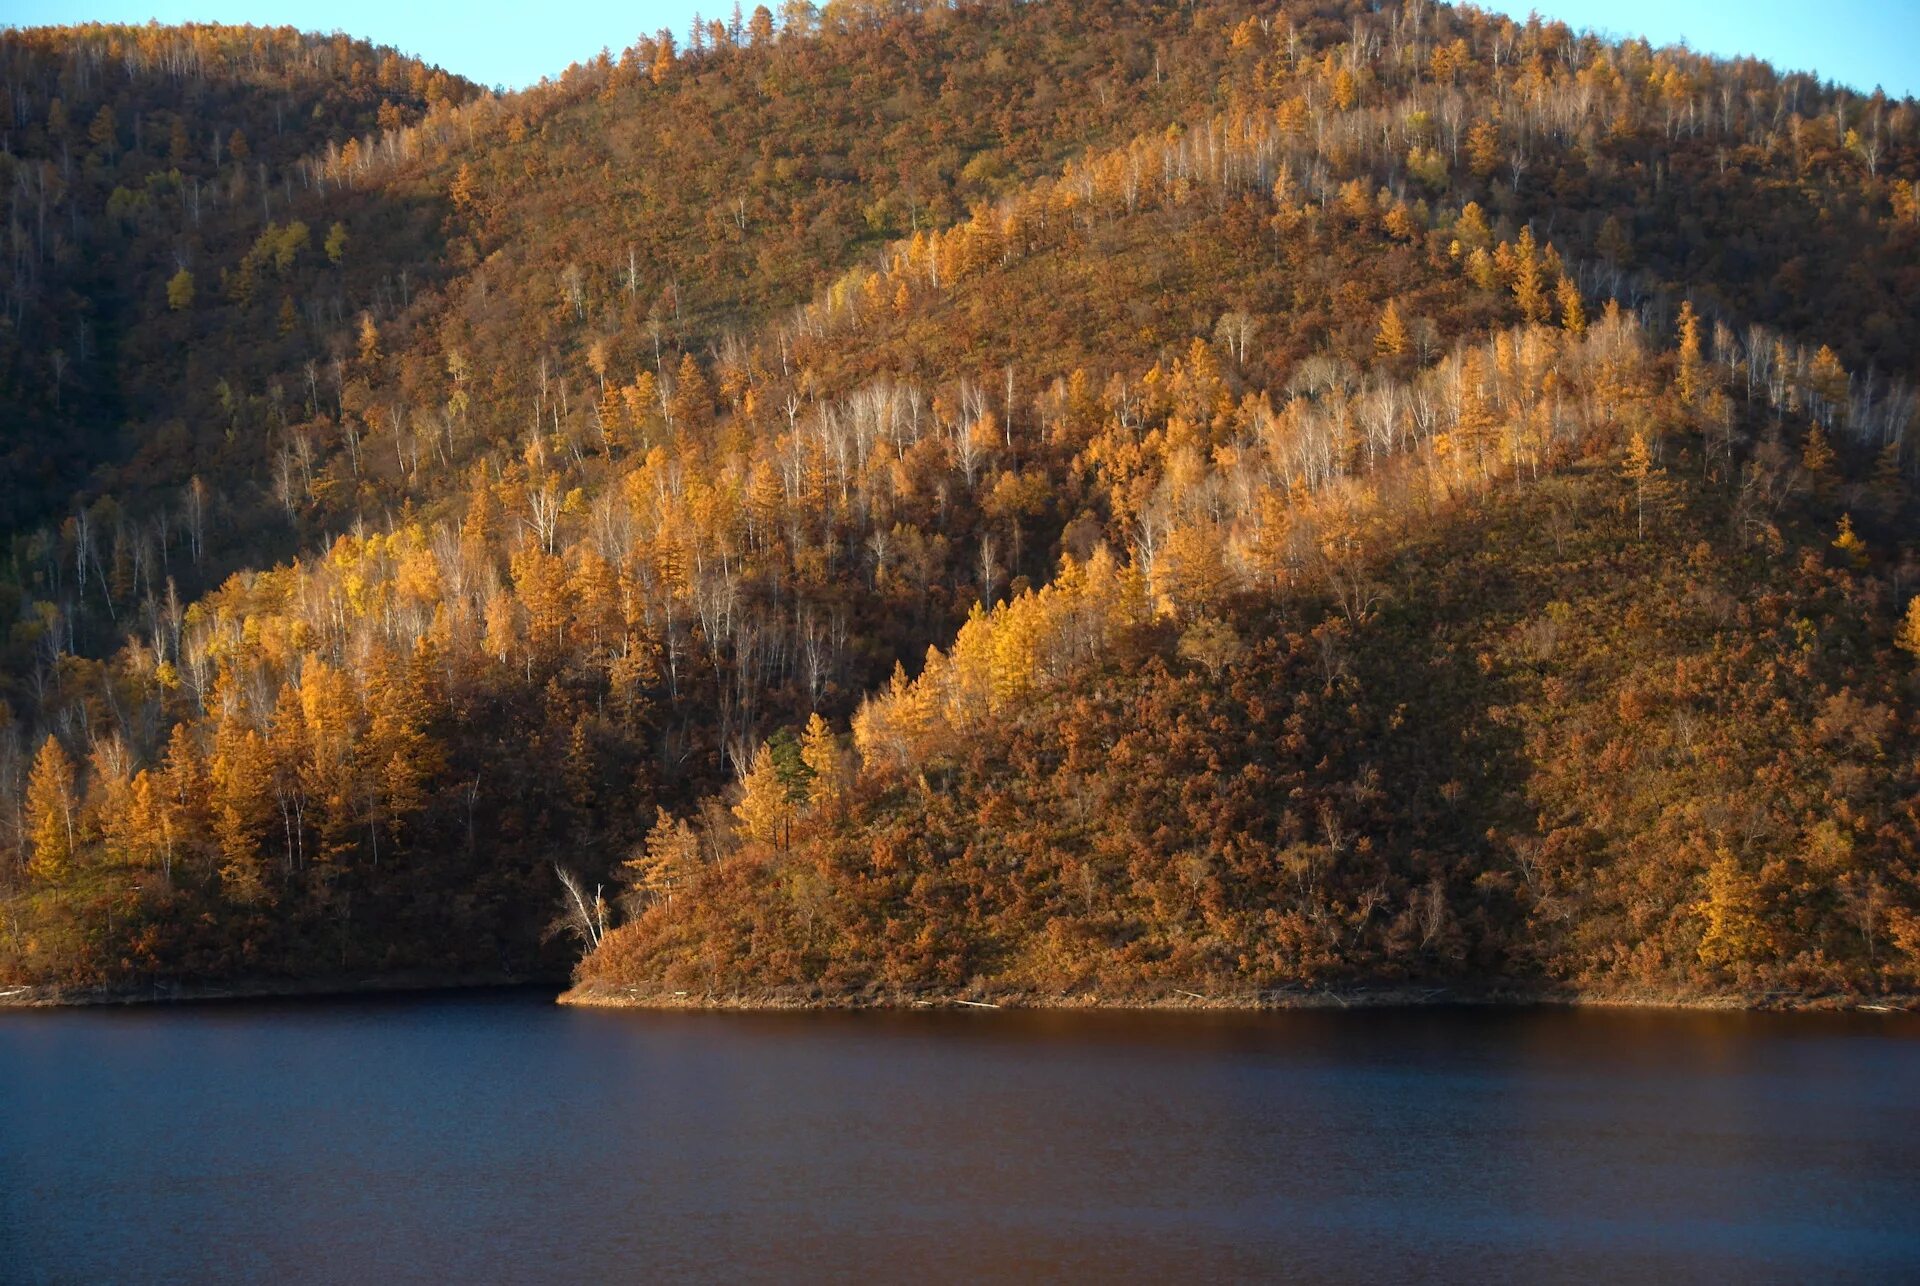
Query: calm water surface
<point x="496" y="1137"/>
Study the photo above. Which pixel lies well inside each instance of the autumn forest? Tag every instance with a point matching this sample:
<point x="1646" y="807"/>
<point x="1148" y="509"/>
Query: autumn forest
<point x="1074" y="501"/>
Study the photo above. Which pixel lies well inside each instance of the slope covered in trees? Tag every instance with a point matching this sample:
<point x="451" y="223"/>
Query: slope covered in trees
<point x="1285" y="401"/>
<point x="1626" y="728"/>
<point x="137" y="160"/>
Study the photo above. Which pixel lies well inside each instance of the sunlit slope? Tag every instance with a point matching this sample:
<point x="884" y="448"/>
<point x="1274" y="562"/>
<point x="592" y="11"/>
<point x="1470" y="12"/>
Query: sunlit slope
<point x="1614" y="730"/>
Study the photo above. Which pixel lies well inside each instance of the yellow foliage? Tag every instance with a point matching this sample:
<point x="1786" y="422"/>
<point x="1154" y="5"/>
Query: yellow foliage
<point x="1851" y="547"/>
<point x="763" y="807"/>
<point x="1734" y="933"/>
<point x="52" y="803"/>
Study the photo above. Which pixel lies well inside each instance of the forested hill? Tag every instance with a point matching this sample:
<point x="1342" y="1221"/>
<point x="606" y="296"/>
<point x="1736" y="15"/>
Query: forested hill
<point x="134" y="155"/>
<point x="1063" y="499"/>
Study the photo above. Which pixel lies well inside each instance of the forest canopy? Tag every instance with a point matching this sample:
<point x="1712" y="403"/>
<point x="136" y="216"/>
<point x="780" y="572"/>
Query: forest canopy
<point x="1075" y="499"/>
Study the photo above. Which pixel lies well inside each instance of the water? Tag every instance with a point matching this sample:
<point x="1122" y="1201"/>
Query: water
<point x="496" y="1137"/>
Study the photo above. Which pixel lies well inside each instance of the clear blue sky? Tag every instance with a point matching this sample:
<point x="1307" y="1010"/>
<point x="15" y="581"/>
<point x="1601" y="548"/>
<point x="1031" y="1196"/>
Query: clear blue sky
<point x="1857" y="42"/>
<point x="1862" y="43"/>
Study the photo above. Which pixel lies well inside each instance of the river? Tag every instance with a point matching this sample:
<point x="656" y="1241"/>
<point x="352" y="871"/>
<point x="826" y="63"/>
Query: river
<point x="480" y="1137"/>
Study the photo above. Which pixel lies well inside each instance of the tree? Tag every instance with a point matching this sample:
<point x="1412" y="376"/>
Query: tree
<point x="1212" y="644"/>
<point x="540" y="580"/>
<point x="1528" y="277"/>
<point x="185" y="787"/>
<point x="796" y="17"/>
<point x="1573" y="314"/>
<point x="369" y="340"/>
<point x="692" y="402"/>
<point x="1908" y="635"/>
<point x="580" y="915"/>
<point x="1690" y="371"/>
<point x="461" y="191"/>
<point x="287" y="745"/>
<point x="1648" y="479"/>
<point x="401" y="758"/>
<point x="243" y="807"/>
<point x="1481" y="269"/>
<point x="790" y="764"/>
<point x="820" y="751"/>
<point x="662" y="57"/>
<point x="1344" y="89"/>
<point x="1190" y="574"/>
<point x="149" y="826"/>
<point x="1828" y="380"/>
<point x="763" y="806"/>
<point x="1887" y="489"/>
<point x="103" y="132"/>
<point x="331" y="777"/>
<point x="667" y="861"/>
<point x="1235" y="329"/>
<point x="1391" y="339"/>
<point x="336" y="243"/>
<point x="502" y="638"/>
<point x="50" y="806"/>
<point x="1734" y="931"/>
<point x="1818" y="460"/>
<point x="760" y="26"/>
<point x="633" y="669"/>
<point x="1483" y="148"/>
<point x="1470" y="229"/>
<point x="1851" y="547"/>
<point x="180" y="291"/>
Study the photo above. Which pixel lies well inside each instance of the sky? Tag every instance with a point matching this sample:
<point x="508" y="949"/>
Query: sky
<point x="1862" y="43"/>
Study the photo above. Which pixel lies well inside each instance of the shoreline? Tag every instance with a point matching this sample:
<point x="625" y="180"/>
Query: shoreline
<point x="606" y="996"/>
<point x="23" y="996"/>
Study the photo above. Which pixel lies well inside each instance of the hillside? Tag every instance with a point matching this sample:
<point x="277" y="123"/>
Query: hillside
<point x="1521" y="745"/>
<point x="1340" y="496"/>
<point x="135" y="154"/>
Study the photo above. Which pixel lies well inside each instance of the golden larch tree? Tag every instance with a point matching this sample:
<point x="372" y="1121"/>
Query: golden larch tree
<point x="51" y="806"/>
<point x="1573" y="313"/>
<point x="1647" y="477"/>
<point x="1483" y="148"/>
<point x="667" y="861"/>
<point x="369" y="340"/>
<point x="1908" y="635"/>
<point x="242" y="807"/>
<point x="1689" y="374"/>
<point x="820" y="751"/>
<point x="763" y="807"/>
<point x="1390" y="340"/>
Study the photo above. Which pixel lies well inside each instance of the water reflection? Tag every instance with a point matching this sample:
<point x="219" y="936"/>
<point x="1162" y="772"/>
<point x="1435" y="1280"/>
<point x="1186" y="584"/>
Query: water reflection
<point x="498" y="1137"/>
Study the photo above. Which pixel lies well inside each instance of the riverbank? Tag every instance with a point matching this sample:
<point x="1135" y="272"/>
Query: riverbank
<point x="166" y="993"/>
<point x="607" y="996"/>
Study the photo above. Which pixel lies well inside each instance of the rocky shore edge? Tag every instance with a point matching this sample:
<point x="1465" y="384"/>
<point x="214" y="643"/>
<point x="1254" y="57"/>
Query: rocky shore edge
<point x="613" y="996"/>
<point x="24" y="996"/>
<point x="599" y="995"/>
